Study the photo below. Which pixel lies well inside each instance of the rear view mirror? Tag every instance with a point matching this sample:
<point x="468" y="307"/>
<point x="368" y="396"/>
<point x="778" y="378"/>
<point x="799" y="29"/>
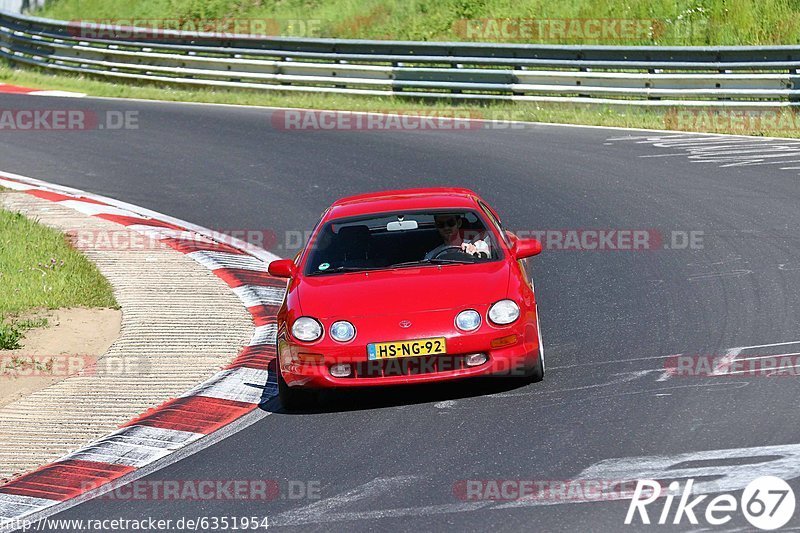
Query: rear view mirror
<point x="282" y="268"/>
<point x="525" y="248"/>
<point x="402" y="225"/>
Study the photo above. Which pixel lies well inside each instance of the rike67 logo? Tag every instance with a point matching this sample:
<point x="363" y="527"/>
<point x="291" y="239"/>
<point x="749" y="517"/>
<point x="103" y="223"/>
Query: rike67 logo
<point x="767" y="502"/>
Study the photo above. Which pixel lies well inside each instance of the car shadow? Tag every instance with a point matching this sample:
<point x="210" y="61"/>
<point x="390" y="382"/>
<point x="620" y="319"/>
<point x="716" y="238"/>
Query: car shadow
<point x="368" y="398"/>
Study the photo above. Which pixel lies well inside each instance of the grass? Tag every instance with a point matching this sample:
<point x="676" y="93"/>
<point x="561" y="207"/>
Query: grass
<point x="12" y="333"/>
<point x="10" y="336"/>
<point x="677" y="22"/>
<point x="16" y="365"/>
<point x="39" y="269"/>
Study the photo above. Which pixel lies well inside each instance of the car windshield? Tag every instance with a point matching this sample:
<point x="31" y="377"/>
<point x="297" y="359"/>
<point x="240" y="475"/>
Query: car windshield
<point x="401" y="240"/>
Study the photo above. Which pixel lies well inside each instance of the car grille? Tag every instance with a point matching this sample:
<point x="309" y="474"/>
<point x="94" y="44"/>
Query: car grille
<point x="409" y="366"/>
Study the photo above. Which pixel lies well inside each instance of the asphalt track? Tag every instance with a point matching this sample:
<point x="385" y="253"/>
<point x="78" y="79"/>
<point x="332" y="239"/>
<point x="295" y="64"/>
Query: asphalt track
<point x="389" y="460"/>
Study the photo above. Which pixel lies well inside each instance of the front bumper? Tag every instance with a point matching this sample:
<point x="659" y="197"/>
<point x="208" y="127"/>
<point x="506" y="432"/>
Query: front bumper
<point x="309" y="366"/>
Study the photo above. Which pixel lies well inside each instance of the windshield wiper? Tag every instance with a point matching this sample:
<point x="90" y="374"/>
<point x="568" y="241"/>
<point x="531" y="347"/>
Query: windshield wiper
<point x="343" y="269"/>
<point x="433" y="262"/>
<point x="340" y="269"/>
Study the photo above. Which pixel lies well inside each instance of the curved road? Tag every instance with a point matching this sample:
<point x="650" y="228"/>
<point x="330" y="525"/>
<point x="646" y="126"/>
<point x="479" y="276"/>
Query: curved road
<point x="390" y="460"/>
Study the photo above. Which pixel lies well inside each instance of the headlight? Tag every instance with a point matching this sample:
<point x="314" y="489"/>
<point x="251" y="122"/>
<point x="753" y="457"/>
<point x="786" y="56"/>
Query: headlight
<point x="306" y="329"/>
<point x="504" y="312"/>
<point x="468" y="320"/>
<point x="343" y="331"/>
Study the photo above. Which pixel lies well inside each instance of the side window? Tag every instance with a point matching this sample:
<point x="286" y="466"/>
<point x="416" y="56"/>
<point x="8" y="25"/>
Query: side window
<point x="498" y="226"/>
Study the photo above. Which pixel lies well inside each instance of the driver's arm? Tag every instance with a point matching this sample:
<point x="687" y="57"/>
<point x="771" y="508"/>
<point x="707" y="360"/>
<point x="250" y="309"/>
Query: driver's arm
<point x="481" y="247"/>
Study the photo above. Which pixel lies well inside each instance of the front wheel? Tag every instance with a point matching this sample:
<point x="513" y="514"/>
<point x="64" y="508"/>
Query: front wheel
<point x="537" y="372"/>
<point x="294" y="398"/>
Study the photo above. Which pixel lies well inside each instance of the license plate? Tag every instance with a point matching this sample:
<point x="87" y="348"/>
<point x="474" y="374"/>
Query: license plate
<point x="415" y="348"/>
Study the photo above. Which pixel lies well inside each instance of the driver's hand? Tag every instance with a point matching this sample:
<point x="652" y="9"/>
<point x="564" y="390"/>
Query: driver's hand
<point x="469" y="248"/>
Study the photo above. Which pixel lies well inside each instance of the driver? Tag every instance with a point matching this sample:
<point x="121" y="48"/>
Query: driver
<point x="449" y="227"/>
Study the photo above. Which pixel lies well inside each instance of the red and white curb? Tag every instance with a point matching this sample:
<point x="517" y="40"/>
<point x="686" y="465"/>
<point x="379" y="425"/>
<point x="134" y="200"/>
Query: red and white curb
<point x="210" y="406"/>
<point x="6" y="88"/>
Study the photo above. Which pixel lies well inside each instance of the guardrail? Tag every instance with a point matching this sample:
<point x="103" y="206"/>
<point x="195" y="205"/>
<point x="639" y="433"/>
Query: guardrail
<point x="643" y="75"/>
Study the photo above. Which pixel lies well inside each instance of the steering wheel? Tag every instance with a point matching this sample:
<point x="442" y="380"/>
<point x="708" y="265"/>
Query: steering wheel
<point x="447" y="250"/>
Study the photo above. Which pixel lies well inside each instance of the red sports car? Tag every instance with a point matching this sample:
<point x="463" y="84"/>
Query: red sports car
<point x="408" y="286"/>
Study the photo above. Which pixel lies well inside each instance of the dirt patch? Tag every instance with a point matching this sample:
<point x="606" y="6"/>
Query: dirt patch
<point x="72" y="341"/>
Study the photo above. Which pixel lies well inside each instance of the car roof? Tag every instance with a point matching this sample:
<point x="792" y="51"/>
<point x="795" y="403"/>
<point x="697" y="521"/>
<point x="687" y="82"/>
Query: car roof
<point x="404" y="200"/>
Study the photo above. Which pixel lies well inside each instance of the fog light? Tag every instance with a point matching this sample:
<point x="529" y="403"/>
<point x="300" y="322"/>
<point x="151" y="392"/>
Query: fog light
<point x="468" y="320"/>
<point x="343" y="331"/>
<point x="476" y="359"/>
<point x="341" y="371"/>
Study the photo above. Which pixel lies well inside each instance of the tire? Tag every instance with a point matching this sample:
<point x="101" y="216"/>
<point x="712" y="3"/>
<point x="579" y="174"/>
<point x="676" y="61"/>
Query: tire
<point x="537" y="372"/>
<point x="295" y="398"/>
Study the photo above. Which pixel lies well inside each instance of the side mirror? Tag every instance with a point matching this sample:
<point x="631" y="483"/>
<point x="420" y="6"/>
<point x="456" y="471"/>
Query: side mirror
<point x="525" y="248"/>
<point x="283" y="268"/>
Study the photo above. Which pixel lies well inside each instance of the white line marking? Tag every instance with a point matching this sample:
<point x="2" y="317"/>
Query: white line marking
<point x="267" y="334"/>
<point x="775" y="372"/>
<point x="88" y="208"/>
<point x="767" y="345"/>
<point x="717" y="275"/>
<point x="240" y="385"/>
<point x="134" y="446"/>
<point x="325" y="509"/>
<point x="286" y="519"/>
<point x="614" y="362"/>
<point x="116" y="452"/>
<point x="13" y="185"/>
<point x="782" y="461"/>
<point x="14" y="506"/>
<point x="60" y="94"/>
<point x="170" y="438"/>
<point x="253" y="295"/>
<point x="725" y="152"/>
<point x="624" y="377"/>
<point x="159" y="233"/>
<point x="218" y="260"/>
<point x="757" y="357"/>
<point x="723" y="362"/>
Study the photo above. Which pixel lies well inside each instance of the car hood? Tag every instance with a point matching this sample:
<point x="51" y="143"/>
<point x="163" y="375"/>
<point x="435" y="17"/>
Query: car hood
<point x="403" y="290"/>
